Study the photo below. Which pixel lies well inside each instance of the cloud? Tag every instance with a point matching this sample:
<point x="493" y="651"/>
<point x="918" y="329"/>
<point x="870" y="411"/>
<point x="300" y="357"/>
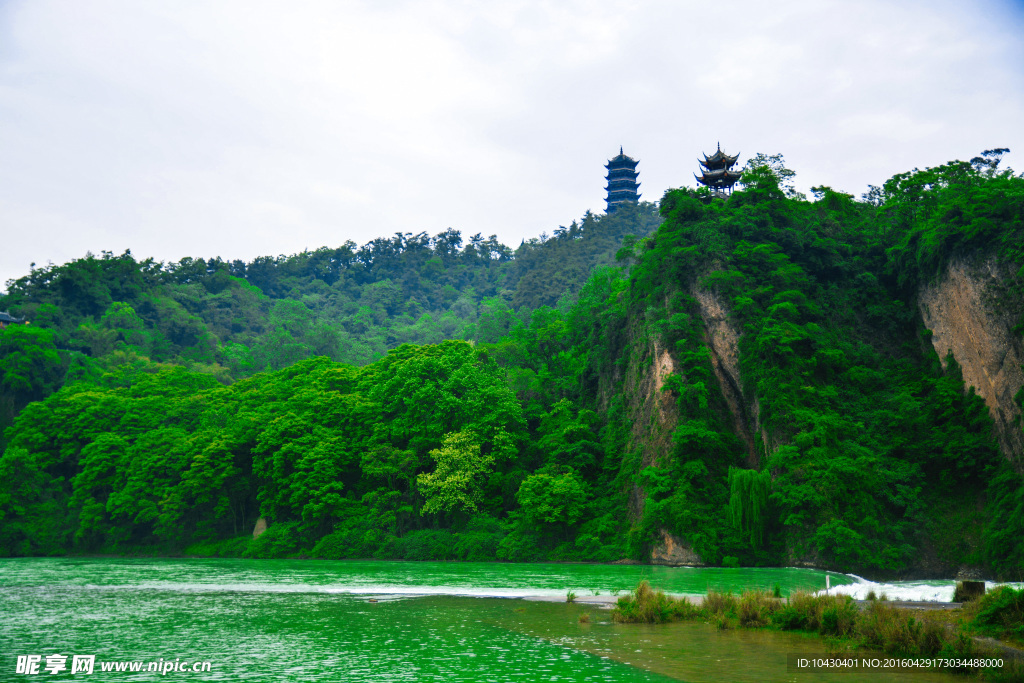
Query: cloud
<point x="241" y="129"/>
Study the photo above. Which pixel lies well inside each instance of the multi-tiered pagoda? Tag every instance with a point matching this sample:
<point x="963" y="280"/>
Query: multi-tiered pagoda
<point x="717" y="171"/>
<point x="622" y="184"/>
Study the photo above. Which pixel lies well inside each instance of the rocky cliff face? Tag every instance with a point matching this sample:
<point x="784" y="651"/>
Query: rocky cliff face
<point x="650" y="411"/>
<point x="674" y="552"/>
<point x="260" y="528"/>
<point x="964" y="311"/>
<point x="722" y="337"/>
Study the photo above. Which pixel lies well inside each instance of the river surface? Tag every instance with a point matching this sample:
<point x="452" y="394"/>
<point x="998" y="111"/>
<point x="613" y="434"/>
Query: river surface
<point x="292" y="620"/>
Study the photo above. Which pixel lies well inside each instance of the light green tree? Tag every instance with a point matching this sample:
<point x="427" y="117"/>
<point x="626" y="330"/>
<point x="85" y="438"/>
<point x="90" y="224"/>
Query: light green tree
<point x="456" y="481"/>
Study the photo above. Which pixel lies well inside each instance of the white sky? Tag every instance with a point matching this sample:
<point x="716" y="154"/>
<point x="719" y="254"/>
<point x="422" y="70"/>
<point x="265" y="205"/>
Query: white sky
<point x="242" y="129"/>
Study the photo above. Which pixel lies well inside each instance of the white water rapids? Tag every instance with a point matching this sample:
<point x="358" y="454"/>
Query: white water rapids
<point x="909" y="591"/>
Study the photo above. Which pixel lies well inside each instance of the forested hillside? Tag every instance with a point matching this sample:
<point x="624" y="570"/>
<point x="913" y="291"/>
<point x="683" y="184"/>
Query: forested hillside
<point x="753" y="384"/>
<point x="231" y="319"/>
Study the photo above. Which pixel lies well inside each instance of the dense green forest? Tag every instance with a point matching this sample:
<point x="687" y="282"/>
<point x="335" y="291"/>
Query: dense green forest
<point x="168" y="407"/>
<point x="351" y="304"/>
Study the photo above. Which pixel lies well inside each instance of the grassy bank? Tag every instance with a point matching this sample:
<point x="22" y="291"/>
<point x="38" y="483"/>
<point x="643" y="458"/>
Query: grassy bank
<point x="846" y="625"/>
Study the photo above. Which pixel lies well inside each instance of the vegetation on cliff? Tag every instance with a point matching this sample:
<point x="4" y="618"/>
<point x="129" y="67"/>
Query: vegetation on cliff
<point x="850" y="445"/>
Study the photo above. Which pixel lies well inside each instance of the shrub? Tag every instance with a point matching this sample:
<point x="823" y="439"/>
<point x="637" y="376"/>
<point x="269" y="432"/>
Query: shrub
<point x="231" y="547"/>
<point x="480" y="540"/>
<point x="334" y="546"/>
<point x="1001" y="613"/>
<point x="807" y="611"/>
<point x="723" y="622"/>
<point x="601" y="540"/>
<point x="730" y="561"/>
<point x="425" y="544"/>
<point x="719" y="603"/>
<point x="789" y="618"/>
<point x="958" y="646"/>
<point x="279" y="540"/>
<point x="646" y="605"/>
<point x="476" y="546"/>
<point x="565" y="551"/>
<point x="933" y="636"/>
<point x="926" y="634"/>
<point x="809" y="608"/>
<point x="890" y="629"/>
<point x="348" y="542"/>
<point x="520" y="546"/>
<point x="840" y="617"/>
<point x="756" y="608"/>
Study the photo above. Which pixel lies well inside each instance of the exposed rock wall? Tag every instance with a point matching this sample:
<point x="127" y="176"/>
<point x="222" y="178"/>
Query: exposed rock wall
<point x="650" y="411"/>
<point x="722" y="337"/>
<point x="673" y="551"/>
<point x="261" y="526"/>
<point x="961" y="311"/>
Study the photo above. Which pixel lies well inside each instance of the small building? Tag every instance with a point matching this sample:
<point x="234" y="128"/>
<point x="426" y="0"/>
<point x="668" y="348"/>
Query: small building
<point x="622" y="184"/>
<point x="7" y="319"/>
<point x="717" y="173"/>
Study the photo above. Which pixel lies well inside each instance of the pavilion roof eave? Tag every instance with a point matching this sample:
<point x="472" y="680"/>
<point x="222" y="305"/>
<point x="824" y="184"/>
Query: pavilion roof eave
<point x="718" y="159"/>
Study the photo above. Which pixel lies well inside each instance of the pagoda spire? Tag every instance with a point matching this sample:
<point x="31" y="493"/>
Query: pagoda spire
<point x="622" y="185"/>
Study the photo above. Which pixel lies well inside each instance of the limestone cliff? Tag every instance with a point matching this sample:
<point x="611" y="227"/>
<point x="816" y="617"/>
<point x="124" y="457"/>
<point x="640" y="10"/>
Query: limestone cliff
<point x="674" y="552"/>
<point x="722" y="335"/>
<point x="651" y="412"/>
<point x="964" y="312"/>
<point x="260" y="528"/>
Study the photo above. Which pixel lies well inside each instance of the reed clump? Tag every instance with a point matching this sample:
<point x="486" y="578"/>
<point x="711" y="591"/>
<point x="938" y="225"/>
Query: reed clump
<point x="833" y="615"/>
<point x="755" y="608"/>
<point x="898" y="631"/>
<point x="648" y="606"/>
<point x="839" y="616"/>
<point x="719" y="603"/>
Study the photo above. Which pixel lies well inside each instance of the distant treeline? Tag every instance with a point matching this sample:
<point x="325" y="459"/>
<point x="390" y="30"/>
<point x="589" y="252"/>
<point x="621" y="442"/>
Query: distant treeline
<point x="351" y="304"/>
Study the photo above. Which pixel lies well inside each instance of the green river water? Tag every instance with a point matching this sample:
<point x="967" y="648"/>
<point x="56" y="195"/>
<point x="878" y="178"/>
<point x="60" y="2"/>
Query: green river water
<point x="293" y="620"/>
